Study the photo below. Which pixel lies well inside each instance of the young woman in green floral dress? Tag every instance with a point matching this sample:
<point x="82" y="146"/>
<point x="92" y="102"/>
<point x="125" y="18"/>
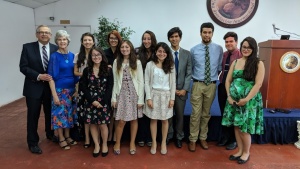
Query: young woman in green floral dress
<point x="244" y="107"/>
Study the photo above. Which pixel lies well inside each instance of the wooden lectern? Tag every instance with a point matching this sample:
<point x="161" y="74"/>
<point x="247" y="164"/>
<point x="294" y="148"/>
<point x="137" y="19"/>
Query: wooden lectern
<point x="279" y="89"/>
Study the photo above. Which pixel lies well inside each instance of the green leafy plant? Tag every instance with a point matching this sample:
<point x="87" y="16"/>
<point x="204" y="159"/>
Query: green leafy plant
<point x="105" y="26"/>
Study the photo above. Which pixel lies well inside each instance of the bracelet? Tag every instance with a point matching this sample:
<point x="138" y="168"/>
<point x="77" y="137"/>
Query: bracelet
<point x="228" y="95"/>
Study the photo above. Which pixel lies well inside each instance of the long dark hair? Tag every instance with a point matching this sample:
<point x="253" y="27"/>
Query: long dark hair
<point x="143" y="52"/>
<point x="103" y="71"/>
<point x="251" y="65"/>
<point x="132" y="57"/>
<point x="81" y="54"/>
<point x="168" y="63"/>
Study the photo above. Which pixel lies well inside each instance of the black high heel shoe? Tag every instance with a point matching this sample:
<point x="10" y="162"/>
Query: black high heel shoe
<point x="240" y="161"/>
<point x="96" y="154"/>
<point x="87" y="145"/>
<point x="104" y="154"/>
<point x="233" y="158"/>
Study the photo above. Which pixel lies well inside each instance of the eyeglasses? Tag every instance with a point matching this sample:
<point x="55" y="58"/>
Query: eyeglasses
<point x="246" y="48"/>
<point x="97" y="55"/>
<point x="113" y="39"/>
<point x="44" y="33"/>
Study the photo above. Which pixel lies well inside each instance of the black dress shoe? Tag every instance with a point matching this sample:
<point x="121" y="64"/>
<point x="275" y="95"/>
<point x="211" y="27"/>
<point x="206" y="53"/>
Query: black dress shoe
<point x="52" y="137"/>
<point x="55" y="139"/>
<point x="233" y="158"/>
<point x="49" y="136"/>
<point x="231" y="146"/>
<point x="223" y="142"/>
<point x="178" y="143"/>
<point x="168" y="141"/>
<point x="35" y="149"/>
<point x="240" y="161"/>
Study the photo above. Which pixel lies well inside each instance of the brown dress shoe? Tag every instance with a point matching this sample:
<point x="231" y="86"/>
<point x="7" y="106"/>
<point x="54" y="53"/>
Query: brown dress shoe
<point x="203" y="144"/>
<point x="192" y="146"/>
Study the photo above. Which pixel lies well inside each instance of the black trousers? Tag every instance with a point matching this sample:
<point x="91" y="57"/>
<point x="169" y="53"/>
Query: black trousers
<point x="33" y="113"/>
<point x="227" y="132"/>
<point x="143" y="133"/>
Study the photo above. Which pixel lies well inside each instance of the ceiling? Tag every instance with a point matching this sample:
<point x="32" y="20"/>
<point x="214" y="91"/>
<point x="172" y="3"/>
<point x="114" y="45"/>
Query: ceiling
<point x="32" y="3"/>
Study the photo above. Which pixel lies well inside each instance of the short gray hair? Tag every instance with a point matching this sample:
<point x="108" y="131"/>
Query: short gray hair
<point x="62" y="33"/>
<point x="40" y="26"/>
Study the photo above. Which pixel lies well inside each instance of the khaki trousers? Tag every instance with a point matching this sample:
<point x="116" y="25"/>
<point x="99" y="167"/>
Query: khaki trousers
<point x="202" y="97"/>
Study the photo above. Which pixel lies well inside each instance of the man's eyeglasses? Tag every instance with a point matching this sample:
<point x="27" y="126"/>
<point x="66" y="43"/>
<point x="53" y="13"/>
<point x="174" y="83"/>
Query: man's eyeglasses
<point x="44" y="33"/>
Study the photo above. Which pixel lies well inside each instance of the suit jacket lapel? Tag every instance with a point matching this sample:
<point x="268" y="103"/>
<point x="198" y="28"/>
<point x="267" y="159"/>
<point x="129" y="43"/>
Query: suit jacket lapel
<point x="38" y="54"/>
<point x="52" y="48"/>
<point x="181" y="60"/>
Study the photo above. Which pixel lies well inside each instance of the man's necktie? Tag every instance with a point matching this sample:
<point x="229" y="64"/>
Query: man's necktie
<point x="226" y="68"/>
<point x="45" y="58"/>
<point x="207" y="79"/>
<point x="176" y="61"/>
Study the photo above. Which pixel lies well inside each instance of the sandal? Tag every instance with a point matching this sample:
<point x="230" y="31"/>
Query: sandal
<point x="132" y="152"/>
<point x="71" y="141"/>
<point x="65" y="147"/>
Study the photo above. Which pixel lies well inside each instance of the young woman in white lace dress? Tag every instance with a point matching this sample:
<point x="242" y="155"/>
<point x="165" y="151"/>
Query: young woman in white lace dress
<point x="160" y="86"/>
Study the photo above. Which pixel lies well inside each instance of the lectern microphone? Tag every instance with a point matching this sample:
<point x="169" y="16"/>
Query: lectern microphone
<point x="274" y="28"/>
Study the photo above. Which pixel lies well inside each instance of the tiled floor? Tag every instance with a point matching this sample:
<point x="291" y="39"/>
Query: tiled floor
<point x="14" y="153"/>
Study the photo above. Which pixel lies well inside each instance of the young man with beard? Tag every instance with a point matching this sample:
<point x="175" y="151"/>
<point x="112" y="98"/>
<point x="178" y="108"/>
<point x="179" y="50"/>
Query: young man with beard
<point x="207" y="62"/>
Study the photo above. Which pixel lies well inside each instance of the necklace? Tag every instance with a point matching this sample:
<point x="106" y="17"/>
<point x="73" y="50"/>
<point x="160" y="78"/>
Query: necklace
<point x="65" y="55"/>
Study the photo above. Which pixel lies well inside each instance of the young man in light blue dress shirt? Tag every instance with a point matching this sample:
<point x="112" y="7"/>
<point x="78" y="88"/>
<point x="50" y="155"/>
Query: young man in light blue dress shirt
<point x="204" y="84"/>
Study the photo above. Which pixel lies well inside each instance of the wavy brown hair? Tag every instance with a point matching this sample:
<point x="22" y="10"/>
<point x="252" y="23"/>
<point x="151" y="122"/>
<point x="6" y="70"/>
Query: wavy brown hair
<point x="103" y="70"/>
<point x="168" y="63"/>
<point x="132" y="57"/>
<point x="251" y="65"/>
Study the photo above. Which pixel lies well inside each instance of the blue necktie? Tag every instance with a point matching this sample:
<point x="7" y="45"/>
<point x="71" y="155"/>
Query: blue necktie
<point x="176" y="61"/>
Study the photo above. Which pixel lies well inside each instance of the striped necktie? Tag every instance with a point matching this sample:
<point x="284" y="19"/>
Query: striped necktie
<point x="45" y="58"/>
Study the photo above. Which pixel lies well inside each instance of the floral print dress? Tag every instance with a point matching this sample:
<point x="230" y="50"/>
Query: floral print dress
<point x="95" y="89"/>
<point x="249" y="118"/>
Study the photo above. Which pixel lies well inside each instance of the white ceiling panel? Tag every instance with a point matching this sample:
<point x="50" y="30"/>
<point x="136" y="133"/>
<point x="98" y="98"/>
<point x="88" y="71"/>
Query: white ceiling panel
<point x="32" y="3"/>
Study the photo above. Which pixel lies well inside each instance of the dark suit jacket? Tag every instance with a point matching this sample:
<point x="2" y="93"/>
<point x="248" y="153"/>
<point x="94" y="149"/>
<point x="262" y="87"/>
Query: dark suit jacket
<point x="31" y="66"/>
<point x="184" y="74"/>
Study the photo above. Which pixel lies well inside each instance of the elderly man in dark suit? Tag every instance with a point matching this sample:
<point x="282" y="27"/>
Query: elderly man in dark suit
<point x="183" y="66"/>
<point x="33" y="64"/>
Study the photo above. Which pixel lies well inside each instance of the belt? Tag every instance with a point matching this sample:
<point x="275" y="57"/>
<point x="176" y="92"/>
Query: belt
<point x="201" y="81"/>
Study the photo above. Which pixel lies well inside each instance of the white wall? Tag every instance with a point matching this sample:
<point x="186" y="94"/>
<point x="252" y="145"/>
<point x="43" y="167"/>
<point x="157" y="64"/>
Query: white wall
<point x="17" y="28"/>
<point x="159" y="16"/>
<point x="155" y="15"/>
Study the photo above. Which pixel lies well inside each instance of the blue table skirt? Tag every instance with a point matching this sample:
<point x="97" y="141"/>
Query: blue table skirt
<point x="279" y="127"/>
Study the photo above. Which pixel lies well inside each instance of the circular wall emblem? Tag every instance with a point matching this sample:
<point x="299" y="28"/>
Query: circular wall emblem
<point x="231" y="13"/>
<point x="290" y="62"/>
